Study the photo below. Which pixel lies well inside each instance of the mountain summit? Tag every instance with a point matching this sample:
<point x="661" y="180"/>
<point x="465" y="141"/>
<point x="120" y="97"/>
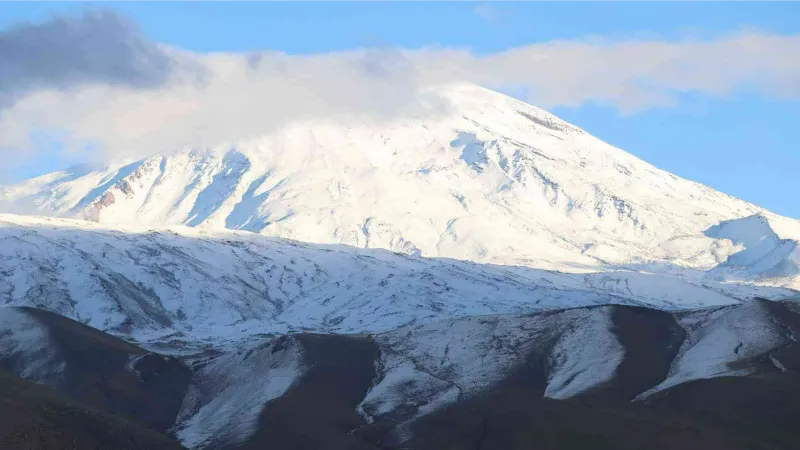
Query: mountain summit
<point x="487" y="179"/>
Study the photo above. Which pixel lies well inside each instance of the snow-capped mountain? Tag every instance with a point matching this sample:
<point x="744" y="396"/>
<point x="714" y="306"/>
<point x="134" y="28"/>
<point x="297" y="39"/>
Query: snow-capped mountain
<point x="479" y="273"/>
<point x="486" y="179"/>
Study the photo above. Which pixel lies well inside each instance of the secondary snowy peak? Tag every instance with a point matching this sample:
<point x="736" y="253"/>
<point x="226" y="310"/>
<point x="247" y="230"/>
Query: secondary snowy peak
<point x="763" y="254"/>
<point x="486" y="179"/>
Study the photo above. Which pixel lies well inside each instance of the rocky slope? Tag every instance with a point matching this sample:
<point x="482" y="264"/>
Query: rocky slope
<point x="35" y="417"/>
<point x="625" y="376"/>
<point x="93" y="391"/>
<point x="92" y="367"/>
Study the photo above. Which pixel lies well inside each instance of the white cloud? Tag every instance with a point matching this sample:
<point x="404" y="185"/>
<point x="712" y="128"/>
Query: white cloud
<point x="244" y="95"/>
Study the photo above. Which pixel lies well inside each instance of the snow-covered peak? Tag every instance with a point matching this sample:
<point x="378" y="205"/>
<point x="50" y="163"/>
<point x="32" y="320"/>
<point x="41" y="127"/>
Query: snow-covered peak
<point x="484" y="178"/>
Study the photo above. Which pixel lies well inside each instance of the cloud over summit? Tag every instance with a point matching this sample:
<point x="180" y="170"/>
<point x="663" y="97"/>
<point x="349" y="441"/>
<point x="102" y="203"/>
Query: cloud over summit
<point x="96" y="78"/>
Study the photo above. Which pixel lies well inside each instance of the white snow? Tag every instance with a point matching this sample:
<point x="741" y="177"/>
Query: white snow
<point x="719" y="340"/>
<point x="27" y="344"/>
<point x="147" y="283"/>
<point x="586" y="355"/>
<point x="426" y="367"/>
<point x="761" y="253"/>
<point x="227" y="395"/>
<point x="554" y="217"/>
<point x="490" y="179"/>
<point x="403" y="385"/>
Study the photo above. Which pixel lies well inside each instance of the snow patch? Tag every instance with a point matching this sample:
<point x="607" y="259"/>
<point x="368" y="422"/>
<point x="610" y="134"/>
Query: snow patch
<point x="26" y="344"/>
<point x="720" y="342"/>
<point x="426" y="367"/>
<point x="228" y="393"/>
<point x="586" y="354"/>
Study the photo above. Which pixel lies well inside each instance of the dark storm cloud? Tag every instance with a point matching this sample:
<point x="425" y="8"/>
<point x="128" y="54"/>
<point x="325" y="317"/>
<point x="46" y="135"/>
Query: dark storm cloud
<point x="65" y="52"/>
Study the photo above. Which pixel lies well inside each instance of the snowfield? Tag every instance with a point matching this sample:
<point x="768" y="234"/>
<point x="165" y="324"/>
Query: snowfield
<point x="191" y="284"/>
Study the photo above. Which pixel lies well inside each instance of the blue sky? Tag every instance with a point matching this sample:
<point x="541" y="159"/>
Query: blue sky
<point x="743" y="144"/>
<point x="311" y="27"/>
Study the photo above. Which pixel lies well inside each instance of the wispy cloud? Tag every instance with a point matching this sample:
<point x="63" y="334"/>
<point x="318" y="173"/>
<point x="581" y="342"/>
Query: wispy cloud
<point x="641" y="74"/>
<point x="132" y="96"/>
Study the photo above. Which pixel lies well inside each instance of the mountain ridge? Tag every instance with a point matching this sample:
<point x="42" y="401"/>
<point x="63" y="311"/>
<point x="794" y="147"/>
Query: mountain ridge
<point x="147" y="283"/>
<point x="588" y="372"/>
<point x="490" y="179"/>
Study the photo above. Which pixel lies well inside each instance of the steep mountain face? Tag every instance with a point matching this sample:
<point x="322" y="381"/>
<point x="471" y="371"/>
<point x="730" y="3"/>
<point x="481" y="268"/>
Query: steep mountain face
<point x="616" y="377"/>
<point x="487" y="179"/>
